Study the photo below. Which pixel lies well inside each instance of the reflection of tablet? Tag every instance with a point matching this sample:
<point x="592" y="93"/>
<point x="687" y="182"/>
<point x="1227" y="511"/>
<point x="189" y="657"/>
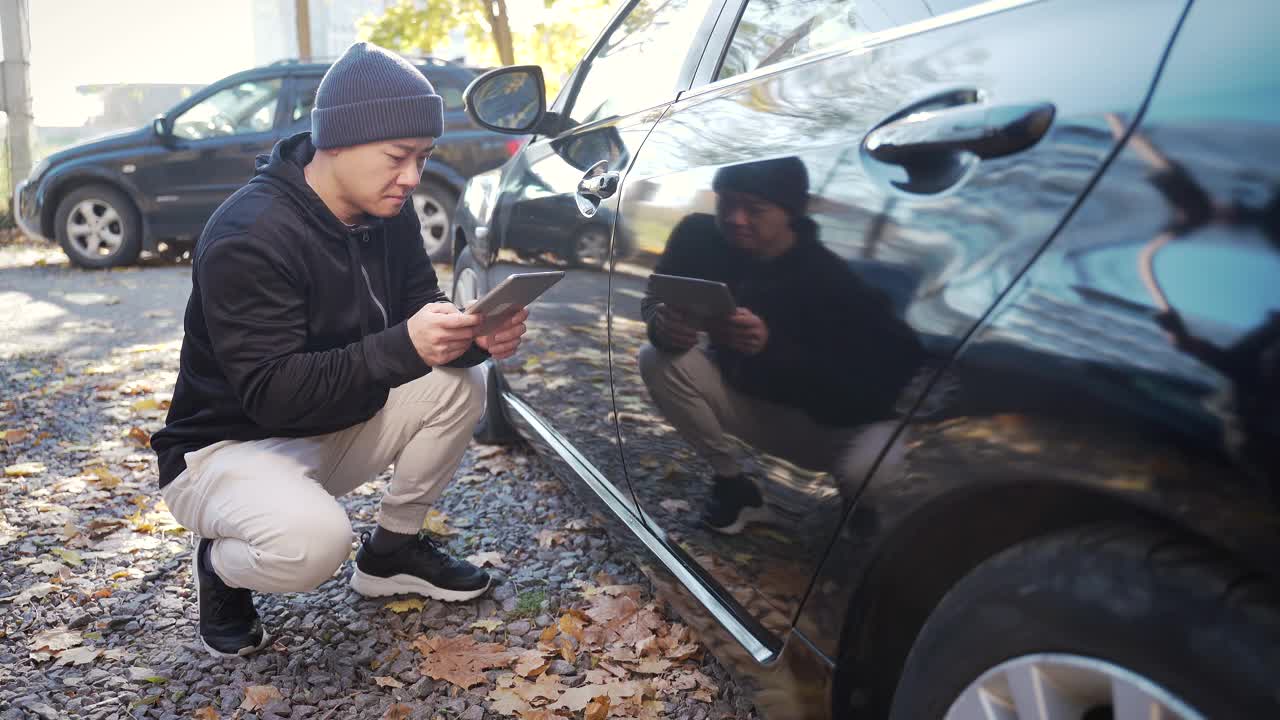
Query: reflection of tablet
<point x="517" y="291"/>
<point x="703" y="299"/>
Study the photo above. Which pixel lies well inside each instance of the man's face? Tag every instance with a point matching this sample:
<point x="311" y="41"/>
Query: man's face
<point x="753" y="224"/>
<point x="378" y="177"/>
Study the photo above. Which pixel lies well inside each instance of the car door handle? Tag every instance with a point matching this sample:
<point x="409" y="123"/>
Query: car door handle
<point x="983" y="130"/>
<point x="598" y="184"/>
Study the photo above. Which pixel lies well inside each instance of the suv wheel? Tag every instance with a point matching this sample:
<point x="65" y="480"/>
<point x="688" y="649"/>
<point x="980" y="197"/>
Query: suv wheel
<point x="98" y="227"/>
<point x="1107" y="622"/>
<point x="494" y="428"/>
<point x="434" y="204"/>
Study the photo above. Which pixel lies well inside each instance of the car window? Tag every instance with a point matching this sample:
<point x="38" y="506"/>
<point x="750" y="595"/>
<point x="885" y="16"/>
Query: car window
<point x="771" y="31"/>
<point x="636" y="66"/>
<point x="249" y="107"/>
<point x="449" y="87"/>
<point x="304" y="99"/>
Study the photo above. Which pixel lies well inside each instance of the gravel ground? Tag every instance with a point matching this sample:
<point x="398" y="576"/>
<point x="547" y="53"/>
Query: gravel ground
<point x="98" y="614"/>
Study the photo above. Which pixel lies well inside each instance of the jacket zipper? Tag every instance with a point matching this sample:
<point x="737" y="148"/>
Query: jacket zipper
<point x="386" y="323"/>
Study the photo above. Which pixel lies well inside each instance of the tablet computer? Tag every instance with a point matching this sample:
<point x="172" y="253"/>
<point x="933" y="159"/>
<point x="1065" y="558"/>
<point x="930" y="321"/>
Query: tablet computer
<point x="513" y="293"/>
<point x="695" y="297"/>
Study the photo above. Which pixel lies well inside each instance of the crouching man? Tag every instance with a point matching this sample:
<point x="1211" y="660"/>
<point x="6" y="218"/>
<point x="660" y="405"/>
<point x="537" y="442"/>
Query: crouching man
<point x="318" y="350"/>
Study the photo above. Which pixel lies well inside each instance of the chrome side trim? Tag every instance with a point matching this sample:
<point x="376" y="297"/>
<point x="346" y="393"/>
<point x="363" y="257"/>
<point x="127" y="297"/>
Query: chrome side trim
<point x="626" y="511"/>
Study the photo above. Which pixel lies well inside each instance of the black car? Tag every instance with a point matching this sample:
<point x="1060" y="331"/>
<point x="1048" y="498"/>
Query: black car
<point x="107" y="200"/>
<point x="993" y="427"/>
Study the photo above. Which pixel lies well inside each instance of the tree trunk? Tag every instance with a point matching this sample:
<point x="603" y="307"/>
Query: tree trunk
<point x="496" y="13"/>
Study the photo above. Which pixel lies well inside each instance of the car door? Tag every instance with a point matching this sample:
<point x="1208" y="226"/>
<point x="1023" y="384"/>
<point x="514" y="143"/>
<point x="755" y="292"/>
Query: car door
<point x="561" y="374"/>
<point x="922" y="153"/>
<point x="210" y="151"/>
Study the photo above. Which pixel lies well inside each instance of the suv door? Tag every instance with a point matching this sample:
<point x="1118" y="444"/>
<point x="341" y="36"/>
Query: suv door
<point x="211" y="148"/>
<point x="562" y="373"/>
<point x="921" y="155"/>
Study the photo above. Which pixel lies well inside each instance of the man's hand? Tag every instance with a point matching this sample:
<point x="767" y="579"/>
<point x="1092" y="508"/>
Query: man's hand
<point x="504" y="341"/>
<point x="674" y="329"/>
<point x="441" y="333"/>
<point x="743" y="331"/>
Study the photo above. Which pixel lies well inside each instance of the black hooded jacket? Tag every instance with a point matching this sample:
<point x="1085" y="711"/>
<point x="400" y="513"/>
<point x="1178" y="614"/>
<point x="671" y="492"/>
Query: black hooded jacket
<point x="296" y="321"/>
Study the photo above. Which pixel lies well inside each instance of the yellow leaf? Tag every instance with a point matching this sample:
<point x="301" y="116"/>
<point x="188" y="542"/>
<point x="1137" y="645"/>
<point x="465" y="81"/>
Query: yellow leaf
<point x="597" y="709"/>
<point x="490" y="558"/>
<point x="71" y="557"/>
<point x="402" y="606"/>
<point x="146" y="404"/>
<point x="105" y="478"/>
<point x="488" y="625"/>
<point x="26" y="469"/>
<point x="140" y="436"/>
<point x="436" y="523"/>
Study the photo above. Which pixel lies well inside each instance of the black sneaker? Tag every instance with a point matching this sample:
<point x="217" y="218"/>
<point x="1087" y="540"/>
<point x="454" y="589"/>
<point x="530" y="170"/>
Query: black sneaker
<point x="734" y="502"/>
<point x="420" y="567"/>
<point x="229" y="624"/>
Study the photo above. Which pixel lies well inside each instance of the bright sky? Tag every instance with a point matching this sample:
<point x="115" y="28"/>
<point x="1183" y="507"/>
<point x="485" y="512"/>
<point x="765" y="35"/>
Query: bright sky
<point x="81" y="42"/>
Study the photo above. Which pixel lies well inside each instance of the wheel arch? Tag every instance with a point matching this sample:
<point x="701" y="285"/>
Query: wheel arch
<point x="928" y="553"/>
<point x="59" y="187"/>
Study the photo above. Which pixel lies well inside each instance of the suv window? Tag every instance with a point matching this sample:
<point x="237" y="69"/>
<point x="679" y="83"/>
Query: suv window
<point x="249" y="107"/>
<point x="449" y="86"/>
<point x="636" y="66"/>
<point x="771" y="31"/>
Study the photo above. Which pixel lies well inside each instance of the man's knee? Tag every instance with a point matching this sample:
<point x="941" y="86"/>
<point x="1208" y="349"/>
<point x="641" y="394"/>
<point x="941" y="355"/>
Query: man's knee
<point x="470" y="392"/>
<point x="662" y="369"/>
<point x="311" y="546"/>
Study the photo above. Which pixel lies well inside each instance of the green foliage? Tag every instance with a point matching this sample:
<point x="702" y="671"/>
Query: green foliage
<point x="553" y="34"/>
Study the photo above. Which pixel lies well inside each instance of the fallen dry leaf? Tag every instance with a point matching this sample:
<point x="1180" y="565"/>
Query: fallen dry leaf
<point x="531" y="663"/>
<point x="403" y="606"/>
<point x="572" y="626"/>
<point x="25" y="469"/>
<point x="437" y="523"/>
<point x="140" y="436"/>
<point x="399" y="711"/>
<point x="105" y="478"/>
<point x="206" y="713"/>
<point x="550" y="538"/>
<point x="487" y="625"/>
<point x="672" y="505"/>
<point x="78" y="656"/>
<point x="70" y="557"/>
<point x="13" y="436"/>
<point x="490" y="558"/>
<point x="597" y="709"/>
<point x="39" y="590"/>
<point x="49" y="643"/>
<point x="259" y="696"/>
<point x="384" y="681"/>
<point x="577" y="525"/>
<point x="505" y="701"/>
<point x="461" y="659"/>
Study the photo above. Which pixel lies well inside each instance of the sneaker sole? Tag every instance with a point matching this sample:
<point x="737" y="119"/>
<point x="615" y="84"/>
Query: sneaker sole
<point x="242" y="652"/>
<point x="374" y="586"/>
<point x="747" y="516"/>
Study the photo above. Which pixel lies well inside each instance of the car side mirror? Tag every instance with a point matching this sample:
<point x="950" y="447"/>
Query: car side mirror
<point x="160" y="127"/>
<point x="511" y="100"/>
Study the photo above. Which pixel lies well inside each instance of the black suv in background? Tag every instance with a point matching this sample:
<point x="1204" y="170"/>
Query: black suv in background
<point x="106" y="200"/>
<point x="1003" y="437"/>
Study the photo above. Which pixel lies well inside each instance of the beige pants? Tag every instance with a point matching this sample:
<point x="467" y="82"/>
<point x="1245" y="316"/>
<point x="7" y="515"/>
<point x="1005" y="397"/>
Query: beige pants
<point x="269" y="507"/>
<point x="692" y="394"/>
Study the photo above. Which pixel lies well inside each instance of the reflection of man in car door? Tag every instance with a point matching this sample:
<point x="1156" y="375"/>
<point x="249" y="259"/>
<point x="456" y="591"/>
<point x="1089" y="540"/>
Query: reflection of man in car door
<point x="805" y="367"/>
<point x="288" y="392"/>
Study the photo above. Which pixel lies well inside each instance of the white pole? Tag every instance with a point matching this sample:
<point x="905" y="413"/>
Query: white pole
<point x="15" y="31"/>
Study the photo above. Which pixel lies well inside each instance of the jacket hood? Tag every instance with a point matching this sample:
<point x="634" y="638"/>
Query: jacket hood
<point x="283" y="168"/>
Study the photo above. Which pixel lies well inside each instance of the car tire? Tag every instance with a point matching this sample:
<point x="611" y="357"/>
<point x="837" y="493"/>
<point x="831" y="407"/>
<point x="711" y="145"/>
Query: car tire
<point x="590" y="247"/>
<point x="1133" y="607"/>
<point x="493" y="428"/>
<point x="98" y="227"/>
<point x="434" y="203"/>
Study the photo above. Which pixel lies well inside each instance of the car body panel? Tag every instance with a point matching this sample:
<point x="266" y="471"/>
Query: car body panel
<point x="941" y="259"/>
<point x="1073" y="403"/>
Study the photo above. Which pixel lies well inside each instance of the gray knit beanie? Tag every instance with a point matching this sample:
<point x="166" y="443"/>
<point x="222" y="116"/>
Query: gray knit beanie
<point x="371" y="94"/>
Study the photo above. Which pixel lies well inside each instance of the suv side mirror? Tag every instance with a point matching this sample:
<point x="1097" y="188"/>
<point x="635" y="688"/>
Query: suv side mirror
<point x="511" y="100"/>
